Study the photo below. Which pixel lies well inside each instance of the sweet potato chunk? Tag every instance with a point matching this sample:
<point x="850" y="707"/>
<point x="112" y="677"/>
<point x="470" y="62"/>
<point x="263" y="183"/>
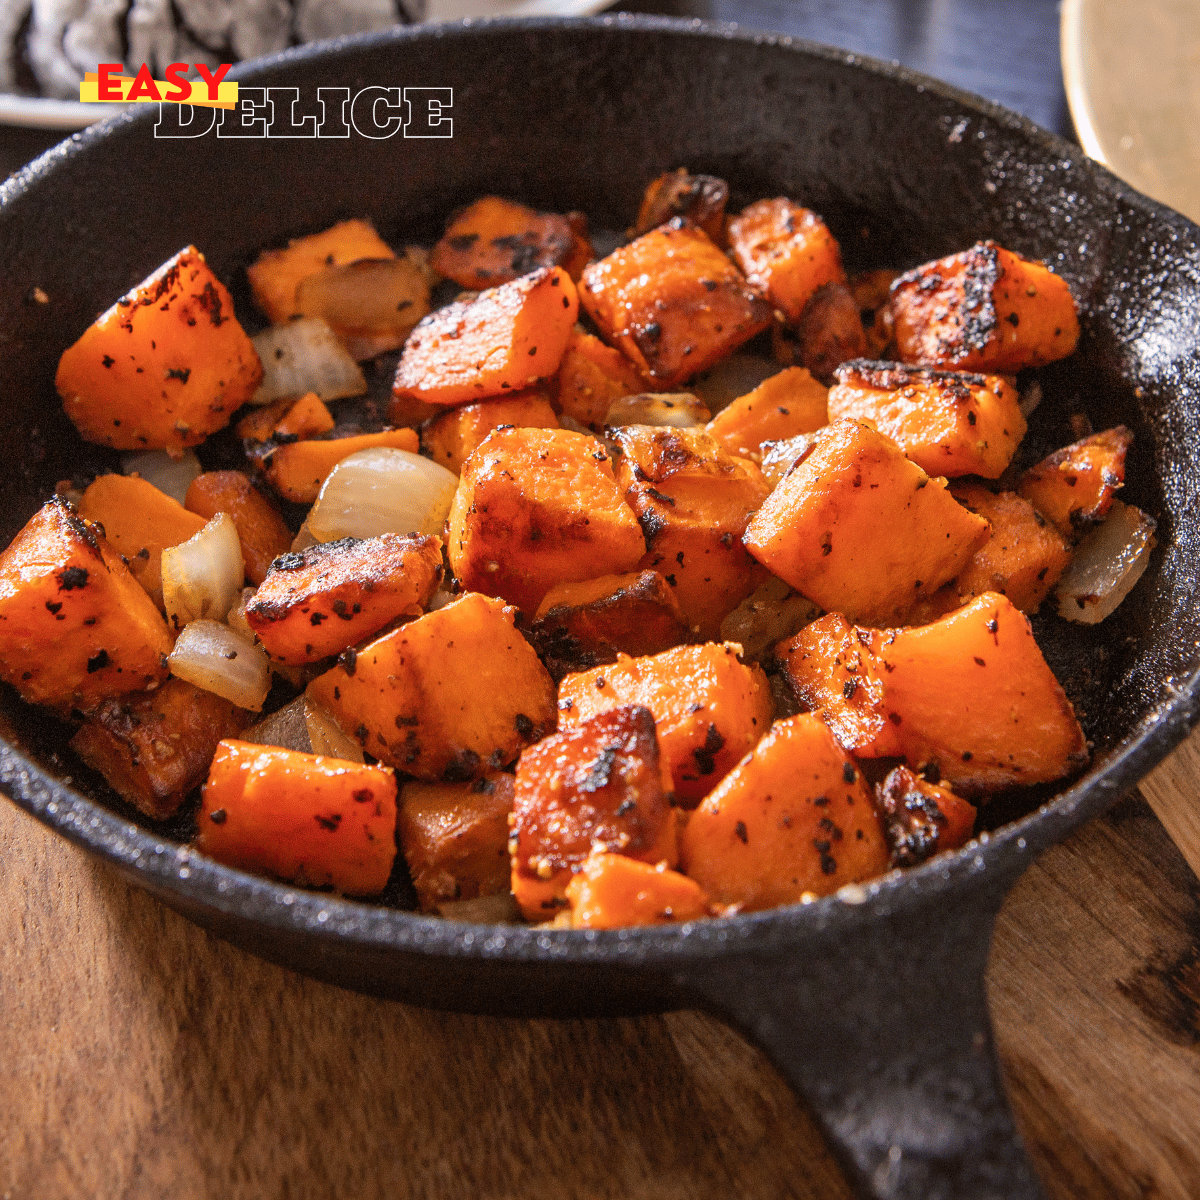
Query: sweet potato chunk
<point x="947" y="422"/>
<point x="985" y="309"/>
<point x="872" y="293"/>
<point x="155" y="747"/>
<point x="260" y="529"/>
<point x="316" y="822"/>
<point x="780" y="407"/>
<point x="597" y="784"/>
<point x="612" y="891"/>
<point x="794" y="817"/>
<point x="297" y="470"/>
<point x="75" y="626"/>
<point x="708" y="708"/>
<point x="163" y="368"/>
<point x="318" y="601"/>
<point x="693" y="501"/>
<point x="830" y="330"/>
<point x="446" y="696"/>
<point x="921" y="819"/>
<point x="506" y="339"/>
<point x="672" y="302"/>
<point x="591" y="377"/>
<point x="699" y="198"/>
<point x="582" y="625"/>
<point x="536" y="507"/>
<point x="455" y="838"/>
<point x="861" y="530"/>
<point x="306" y="418"/>
<point x="787" y="251"/>
<point x="139" y="522"/>
<point x="1074" y="486"/>
<point x="453" y="435"/>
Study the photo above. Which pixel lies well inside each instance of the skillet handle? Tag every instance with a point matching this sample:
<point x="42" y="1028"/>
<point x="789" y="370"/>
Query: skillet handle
<point x="884" y="1031"/>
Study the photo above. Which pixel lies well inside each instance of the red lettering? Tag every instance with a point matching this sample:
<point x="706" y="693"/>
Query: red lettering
<point x="182" y="88"/>
<point x="213" y="81"/>
<point x="106" y="88"/>
<point x="144" y="85"/>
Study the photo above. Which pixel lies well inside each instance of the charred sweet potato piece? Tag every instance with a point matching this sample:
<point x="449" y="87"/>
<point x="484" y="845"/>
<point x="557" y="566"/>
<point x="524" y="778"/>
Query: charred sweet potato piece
<point x="75" y="626"/>
<point x="830" y="330"/>
<point x="947" y="422"/>
<point x="708" y="708"/>
<point x="693" y="501"/>
<point x="597" y="784"/>
<point x="612" y="891"/>
<point x="318" y="601"/>
<point x="275" y="274"/>
<point x="455" y="838"/>
<point x="794" y="817"/>
<point x="139" y="522"/>
<point x="672" y="302"/>
<point x="296" y="470"/>
<point x="591" y="377"/>
<point x="861" y="530"/>
<point x="921" y="819"/>
<point x="582" y="625"/>
<point x="506" y="339"/>
<point x="259" y="423"/>
<point x="163" y="368"/>
<point x="260" y="529"/>
<point x="316" y="822"/>
<point x="453" y="435"/>
<point x="155" y="747"/>
<point x="833" y="671"/>
<point x="975" y="701"/>
<point x="447" y="696"/>
<point x="699" y="198"/>
<point x="306" y="418"/>
<point x="872" y="293"/>
<point x="1074" y="486"/>
<point x="985" y="309"/>
<point x="536" y="507"/>
<point x="780" y="407"/>
<point x="787" y="251"/>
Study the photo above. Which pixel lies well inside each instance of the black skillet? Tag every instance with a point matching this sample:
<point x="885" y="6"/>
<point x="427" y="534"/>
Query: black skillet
<point x="872" y="1004"/>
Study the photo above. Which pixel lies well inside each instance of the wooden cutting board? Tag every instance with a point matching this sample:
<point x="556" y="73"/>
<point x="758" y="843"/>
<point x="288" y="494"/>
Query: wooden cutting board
<point x="140" y="1057"/>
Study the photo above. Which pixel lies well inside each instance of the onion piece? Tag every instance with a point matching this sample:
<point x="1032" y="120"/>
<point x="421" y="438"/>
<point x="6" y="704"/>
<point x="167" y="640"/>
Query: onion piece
<point x="1107" y="565"/>
<point x="285" y="727"/>
<point x="305" y="356"/>
<point x="768" y="615"/>
<point x="498" y="908"/>
<point x="203" y="576"/>
<point x="211" y="656"/>
<point x="326" y="737"/>
<point x="236" y="617"/>
<point x="170" y="475"/>
<point x="676" y="410"/>
<point x="382" y="490"/>
<point x="778" y="458"/>
<point x="733" y="377"/>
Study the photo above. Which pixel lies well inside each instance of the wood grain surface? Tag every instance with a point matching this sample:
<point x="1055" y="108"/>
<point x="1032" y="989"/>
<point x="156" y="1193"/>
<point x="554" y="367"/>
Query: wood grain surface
<point x="141" y="1057"/>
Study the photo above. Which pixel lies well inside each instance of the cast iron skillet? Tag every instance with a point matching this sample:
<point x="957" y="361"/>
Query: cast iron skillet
<point x="872" y="1003"/>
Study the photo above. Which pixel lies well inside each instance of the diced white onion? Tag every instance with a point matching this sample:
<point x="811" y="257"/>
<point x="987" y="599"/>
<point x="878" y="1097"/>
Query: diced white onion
<point x="499" y="908"/>
<point x="326" y="737"/>
<point x="733" y="377"/>
<point x="287" y="728"/>
<point x="768" y="615"/>
<point x="170" y="475"/>
<point x="779" y="457"/>
<point x="236" y="617"/>
<point x="676" y="410"/>
<point x="303" y="538"/>
<point x="382" y="491"/>
<point x="203" y="576"/>
<point x="1107" y="565"/>
<point x="305" y="356"/>
<point x="213" y="657"/>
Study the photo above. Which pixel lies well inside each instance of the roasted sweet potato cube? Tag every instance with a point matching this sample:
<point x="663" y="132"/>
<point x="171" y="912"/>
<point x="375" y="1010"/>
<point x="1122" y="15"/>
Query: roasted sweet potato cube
<point x="612" y="891"/>
<point x="598" y="784"/>
<point x="672" y="302"/>
<point x="155" y="747"/>
<point x="163" y="368"/>
<point x="318" y="601"/>
<point x="305" y="418"/>
<point x="455" y="838"/>
<point x="75" y="626"/>
<point x="781" y="407"/>
<point x="985" y="309"/>
<point x="693" y="501"/>
<point x="699" y="198"/>
<point x="948" y="422"/>
<point x="795" y="817"/>
<point x="1074" y="487"/>
<point x="454" y="434"/>
<point x="316" y="822"/>
<point x="275" y="274"/>
<point x="976" y="702"/>
<point x="787" y="251"/>
<point x="709" y="709"/>
<point x="536" y="507"/>
<point x="296" y="470"/>
<point x="830" y="330"/>
<point x="862" y="531"/>
<point x="834" y="672"/>
<point x="261" y="530"/>
<point x="447" y="696"/>
<point x="582" y="625"/>
<point x="921" y="819"/>
<point x="591" y="377"/>
<point x="506" y="339"/>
